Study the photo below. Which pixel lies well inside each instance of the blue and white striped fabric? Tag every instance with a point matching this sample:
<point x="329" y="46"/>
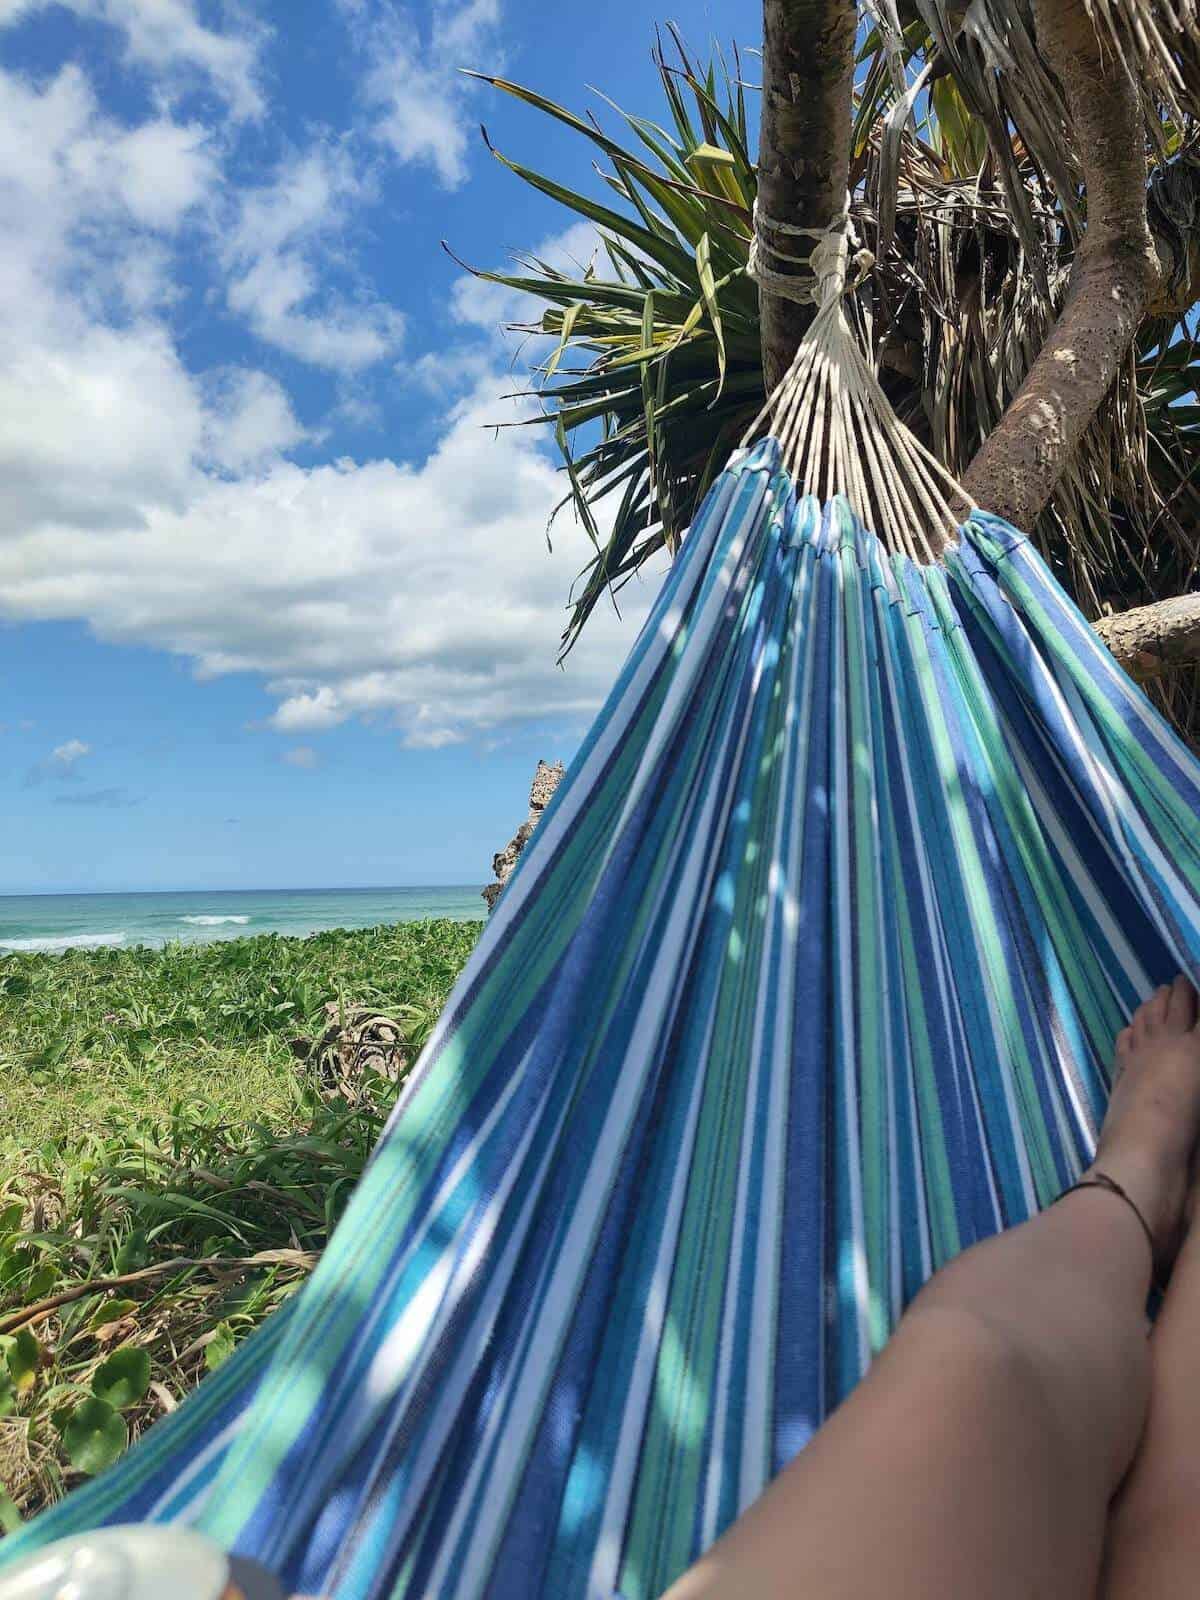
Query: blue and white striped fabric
<point x="808" y="979"/>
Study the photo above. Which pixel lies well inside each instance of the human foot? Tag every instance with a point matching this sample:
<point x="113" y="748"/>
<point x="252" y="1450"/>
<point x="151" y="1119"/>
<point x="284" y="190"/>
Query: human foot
<point x="1150" y="1131"/>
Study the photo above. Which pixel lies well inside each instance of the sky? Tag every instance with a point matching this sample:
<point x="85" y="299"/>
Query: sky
<point x="276" y="603"/>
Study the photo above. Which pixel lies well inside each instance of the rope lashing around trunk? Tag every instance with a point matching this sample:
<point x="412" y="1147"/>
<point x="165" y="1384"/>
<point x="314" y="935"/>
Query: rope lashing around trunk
<point x="837" y="429"/>
<point x="825" y="261"/>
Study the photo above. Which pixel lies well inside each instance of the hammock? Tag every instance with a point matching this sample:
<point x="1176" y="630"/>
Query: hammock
<point x="807" y="980"/>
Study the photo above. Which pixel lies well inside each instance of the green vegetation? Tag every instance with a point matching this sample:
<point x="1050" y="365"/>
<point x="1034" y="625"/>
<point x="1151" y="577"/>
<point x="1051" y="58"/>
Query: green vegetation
<point x="97" y="1036"/>
<point x="172" y="1169"/>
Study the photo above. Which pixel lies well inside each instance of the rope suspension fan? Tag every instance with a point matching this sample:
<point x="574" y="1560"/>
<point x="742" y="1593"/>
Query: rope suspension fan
<point x="837" y="431"/>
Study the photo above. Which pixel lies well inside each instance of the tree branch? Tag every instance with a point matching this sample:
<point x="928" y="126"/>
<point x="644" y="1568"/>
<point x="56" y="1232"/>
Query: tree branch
<point x="1150" y="640"/>
<point x="803" y="151"/>
<point x="16" y="1320"/>
<point x="1116" y="272"/>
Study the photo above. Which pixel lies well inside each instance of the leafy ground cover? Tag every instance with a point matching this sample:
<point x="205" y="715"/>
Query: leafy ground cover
<point x="168" y="1171"/>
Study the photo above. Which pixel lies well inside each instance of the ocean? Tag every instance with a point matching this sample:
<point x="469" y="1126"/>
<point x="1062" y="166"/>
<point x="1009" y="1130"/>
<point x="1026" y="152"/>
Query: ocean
<point x="88" y="921"/>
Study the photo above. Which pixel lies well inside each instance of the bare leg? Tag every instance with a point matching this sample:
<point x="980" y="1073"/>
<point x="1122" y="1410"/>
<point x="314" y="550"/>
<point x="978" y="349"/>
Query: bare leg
<point x="1154" y="1531"/>
<point x="980" y="1454"/>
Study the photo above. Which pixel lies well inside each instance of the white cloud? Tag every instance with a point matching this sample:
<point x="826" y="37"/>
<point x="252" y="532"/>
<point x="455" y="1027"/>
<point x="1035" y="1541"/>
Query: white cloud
<point x="282" y="237"/>
<point x="309" y="711"/>
<point x="412" y="84"/>
<point x="460" y="26"/>
<point x="94" y="422"/>
<point x="308" y="195"/>
<point x="274" y="295"/>
<point x="66" y="755"/>
<point x="157" y="172"/>
<point x="451" y="370"/>
<point x="422" y="595"/>
<point x="250" y="420"/>
<point x="59" y="766"/>
<point x="101" y="417"/>
<point x="99" y="424"/>
<point x="302" y="756"/>
<point x="86" y="197"/>
<point x="156" y="503"/>
<point x="424" y="738"/>
<point x="167" y="38"/>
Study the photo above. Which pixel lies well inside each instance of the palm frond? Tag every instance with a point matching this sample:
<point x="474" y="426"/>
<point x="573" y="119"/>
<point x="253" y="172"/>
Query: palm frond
<point x="966" y="189"/>
<point x="665" y="370"/>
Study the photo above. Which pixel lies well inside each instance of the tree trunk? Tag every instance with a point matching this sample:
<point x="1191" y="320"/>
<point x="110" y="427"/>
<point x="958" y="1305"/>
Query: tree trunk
<point x="803" y="151"/>
<point x="1116" y="272"/>
<point x="1120" y="274"/>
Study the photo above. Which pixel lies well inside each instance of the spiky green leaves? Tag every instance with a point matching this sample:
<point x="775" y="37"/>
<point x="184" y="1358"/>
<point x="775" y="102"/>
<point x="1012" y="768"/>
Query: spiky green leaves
<point x="655" y="369"/>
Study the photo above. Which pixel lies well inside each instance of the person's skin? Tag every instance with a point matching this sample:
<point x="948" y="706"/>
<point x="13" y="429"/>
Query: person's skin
<point x="980" y="1454"/>
<point x="1154" y="1526"/>
<point x="1020" y="1399"/>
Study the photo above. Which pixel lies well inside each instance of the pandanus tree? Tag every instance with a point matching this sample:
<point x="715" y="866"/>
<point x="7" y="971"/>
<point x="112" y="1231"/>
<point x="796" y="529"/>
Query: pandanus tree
<point x="1024" y="183"/>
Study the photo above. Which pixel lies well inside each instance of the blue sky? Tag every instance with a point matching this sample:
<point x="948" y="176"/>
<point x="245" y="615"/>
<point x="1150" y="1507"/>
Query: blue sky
<point x="276" y="608"/>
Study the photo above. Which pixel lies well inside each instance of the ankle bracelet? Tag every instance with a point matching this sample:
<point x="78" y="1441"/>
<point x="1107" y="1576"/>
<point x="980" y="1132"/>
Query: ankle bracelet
<point x="1101" y="1180"/>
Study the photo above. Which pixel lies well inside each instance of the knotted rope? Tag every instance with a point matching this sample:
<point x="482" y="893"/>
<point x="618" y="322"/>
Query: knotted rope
<point x="826" y="261"/>
<point x="835" y="426"/>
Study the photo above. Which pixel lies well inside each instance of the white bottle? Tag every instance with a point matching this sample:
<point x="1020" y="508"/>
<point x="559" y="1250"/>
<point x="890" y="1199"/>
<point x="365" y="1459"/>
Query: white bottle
<point x="136" y="1562"/>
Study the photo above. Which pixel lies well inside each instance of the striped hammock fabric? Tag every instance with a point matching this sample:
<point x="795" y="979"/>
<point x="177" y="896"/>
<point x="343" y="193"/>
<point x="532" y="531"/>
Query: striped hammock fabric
<point x="808" y="979"/>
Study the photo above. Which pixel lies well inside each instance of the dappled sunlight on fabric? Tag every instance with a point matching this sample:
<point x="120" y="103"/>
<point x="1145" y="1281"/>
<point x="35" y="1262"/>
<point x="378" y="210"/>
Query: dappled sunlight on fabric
<point x="802" y="987"/>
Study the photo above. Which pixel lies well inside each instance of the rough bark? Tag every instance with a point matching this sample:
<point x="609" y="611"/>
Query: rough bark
<point x="803" y="151"/>
<point x="1115" y="275"/>
<point x="1152" y="639"/>
<point x="545" y="781"/>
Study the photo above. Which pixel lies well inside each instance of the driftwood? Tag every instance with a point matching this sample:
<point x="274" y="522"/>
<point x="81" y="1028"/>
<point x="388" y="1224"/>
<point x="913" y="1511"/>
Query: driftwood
<point x="359" y="1053"/>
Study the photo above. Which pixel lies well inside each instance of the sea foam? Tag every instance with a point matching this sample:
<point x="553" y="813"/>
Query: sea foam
<point x="212" y="922"/>
<point x="74" y="941"/>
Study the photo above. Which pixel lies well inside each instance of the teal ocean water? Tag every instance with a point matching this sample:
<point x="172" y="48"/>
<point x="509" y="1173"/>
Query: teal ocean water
<point x="83" y="921"/>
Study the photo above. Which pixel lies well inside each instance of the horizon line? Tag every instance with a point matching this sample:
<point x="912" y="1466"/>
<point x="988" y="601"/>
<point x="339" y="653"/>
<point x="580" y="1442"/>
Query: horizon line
<point x="334" y="888"/>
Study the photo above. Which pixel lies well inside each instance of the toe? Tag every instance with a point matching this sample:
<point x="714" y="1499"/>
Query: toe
<point x="1155" y="1010"/>
<point x="1124" y="1043"/>
<point x="1181" y="1006"/>
<point x="1150" y="1016"/>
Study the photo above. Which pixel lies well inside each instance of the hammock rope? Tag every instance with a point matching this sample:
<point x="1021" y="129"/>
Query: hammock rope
<point x="826" y="260"/>
<point x="835" y="426"/>
<point x="807" y="980"/>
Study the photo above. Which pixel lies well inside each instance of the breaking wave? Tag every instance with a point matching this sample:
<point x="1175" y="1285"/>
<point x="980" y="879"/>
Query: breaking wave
<point x="73" y="941"/>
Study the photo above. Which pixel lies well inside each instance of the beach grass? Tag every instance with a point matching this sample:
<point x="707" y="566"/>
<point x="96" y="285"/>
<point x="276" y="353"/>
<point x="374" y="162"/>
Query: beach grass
<point x="89" y="1036"/>
<point x="157" y="1128"/>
